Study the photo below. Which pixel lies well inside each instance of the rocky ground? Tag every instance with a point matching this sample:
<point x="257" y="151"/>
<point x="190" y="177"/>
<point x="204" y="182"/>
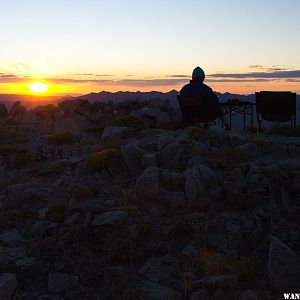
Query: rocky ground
<point x="103" y="201"/>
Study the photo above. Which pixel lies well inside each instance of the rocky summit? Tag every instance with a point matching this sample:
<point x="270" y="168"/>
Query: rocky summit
<point x="125" y="201"/>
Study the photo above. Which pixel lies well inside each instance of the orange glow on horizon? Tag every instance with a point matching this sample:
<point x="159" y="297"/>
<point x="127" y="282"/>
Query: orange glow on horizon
<point x="48" y="88"/>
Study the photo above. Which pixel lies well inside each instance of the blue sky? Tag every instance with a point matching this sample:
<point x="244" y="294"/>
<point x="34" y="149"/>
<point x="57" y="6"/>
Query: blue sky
<point x="147" y="39"/>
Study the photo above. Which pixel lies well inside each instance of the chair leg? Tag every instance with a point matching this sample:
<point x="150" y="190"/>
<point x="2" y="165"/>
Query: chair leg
<point x="259" y="125"/>
<point x="206" y="126"/>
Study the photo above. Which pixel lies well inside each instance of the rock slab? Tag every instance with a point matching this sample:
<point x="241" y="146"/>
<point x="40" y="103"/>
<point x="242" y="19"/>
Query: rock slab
<point x="8" y="286"/>
<point x="59" y="282"/>
<point x="283" y="267"/>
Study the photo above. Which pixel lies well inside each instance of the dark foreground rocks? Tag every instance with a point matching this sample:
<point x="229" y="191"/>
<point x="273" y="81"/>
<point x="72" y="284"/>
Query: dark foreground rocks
<point x="121" y="201"/>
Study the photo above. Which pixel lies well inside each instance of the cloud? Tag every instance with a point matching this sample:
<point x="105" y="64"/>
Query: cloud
<point x="96" y="75"/>
<point x="152" y="82"/>
<point x="171" y="80"/>
<point x="268" y="68"/>
<point x="124" y="82"/>
<point x="258" y="75"/>
<point x="75" y="80"/>
<point x="2" y="75"/>
<point x="241" y="80"/>
<point x="9" y="78"/>
<point x="178" y="76"/>
<point x="292" y="80"/>
<point x="256" y="66"/>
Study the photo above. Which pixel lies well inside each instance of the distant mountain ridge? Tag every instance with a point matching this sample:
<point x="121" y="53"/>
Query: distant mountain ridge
<point x="104" y="96"/>
<point x="128" y="96"/>
<point x="171" y="95"/>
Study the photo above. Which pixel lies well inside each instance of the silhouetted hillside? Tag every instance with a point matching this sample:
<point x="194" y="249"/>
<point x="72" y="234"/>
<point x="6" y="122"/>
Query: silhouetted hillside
<point x="29" y="101"/>
<point x="124" y="96"/>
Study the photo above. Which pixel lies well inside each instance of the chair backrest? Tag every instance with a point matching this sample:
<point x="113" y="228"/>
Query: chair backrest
<point x="276" y="106"/>
<point x="195" y="109"/>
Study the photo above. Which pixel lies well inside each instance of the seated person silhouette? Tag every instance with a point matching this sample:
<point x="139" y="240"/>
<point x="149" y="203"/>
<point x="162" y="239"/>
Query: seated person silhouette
<point x="196" y="87"/>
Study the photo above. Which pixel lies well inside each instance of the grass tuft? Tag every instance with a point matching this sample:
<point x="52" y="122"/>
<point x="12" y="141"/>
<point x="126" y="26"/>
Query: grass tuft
<point x="195" y="130"/>
<point x="64" y="138"/>
<point x="106" y="159"/>
<point x="130" y="121"/>
<point x="286" y="130"/>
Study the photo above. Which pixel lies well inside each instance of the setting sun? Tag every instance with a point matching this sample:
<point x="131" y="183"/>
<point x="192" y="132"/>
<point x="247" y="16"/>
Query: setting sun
<point x="38" y="87"/>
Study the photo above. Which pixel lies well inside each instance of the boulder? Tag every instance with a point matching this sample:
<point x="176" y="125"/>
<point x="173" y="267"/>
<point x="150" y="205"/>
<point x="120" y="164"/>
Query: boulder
<point x="197" y="180"/>
<point x="117" y="217"/>
<point x="194" y="191"/>
<point x="237" y="179"/>
<point x="189" y="251"/>
<point x="154" y="291"/>
<point x="248" y="295"/>
<point x="163" y="141"/>
<point x="200" y="295"/>
<point x="218" y="138"/>
<point x="74" y="124"/>
<point x="11" y="239"/>
<point x="8" y="254"/>
<point x="237" y="140"/>
<point x="116" y="132"/>
<point x="17" y="111"/>
<point x="73" y="219"/>
<point x="132" y="156"/>
<point x="8" y="286"/>
<point x="172" y="156"/>
<point x="283" y="267"/>
<point x="249" y="149"/>
<point x="296" y="182"/>
<point x="40" y="227"/>
<point x="177" y="202"/>
<point x="25" y="262"/>
<point x="206" y="175"/>
<point x="163" y="120"/>
<point x="3" y="111"/>
<point x="149" y="160"/>
<point x="289" y="164"/>
<point x="151" y="112"/>
<point x="148" y="184"/>
<point x="158" y="269"/>
<point x="59" y="282"/>
<point x="174" y="152"/>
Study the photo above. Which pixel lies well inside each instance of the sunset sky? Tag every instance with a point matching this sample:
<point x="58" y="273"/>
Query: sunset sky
<point x="83" y="46"/>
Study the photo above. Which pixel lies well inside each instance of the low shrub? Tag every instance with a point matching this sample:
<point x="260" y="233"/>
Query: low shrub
<point x="209" y="263"/>
<point x="11" y="122"/>
<point x="120" y="248"/>
<point x="243" y="268"/>
<point x="107" y="144"/>
<point x="63" y="138"/>
<point x="52" y="169"/>
<point x="286" y="130"/>
<point x="187" y="223"/>
<point x="106" y="159"/>
<point x="228" y="158"/>
<point x="264" y="146"/>
<point x="130" y="121"/>
<point x="237" y="200"/>
<point x="195" y="130"/>
<point x="80" y="192"/>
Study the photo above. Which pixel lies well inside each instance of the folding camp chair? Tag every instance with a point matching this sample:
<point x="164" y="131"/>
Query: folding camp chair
<point x="275" y="107"/>
<point x="196" y="110"/>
